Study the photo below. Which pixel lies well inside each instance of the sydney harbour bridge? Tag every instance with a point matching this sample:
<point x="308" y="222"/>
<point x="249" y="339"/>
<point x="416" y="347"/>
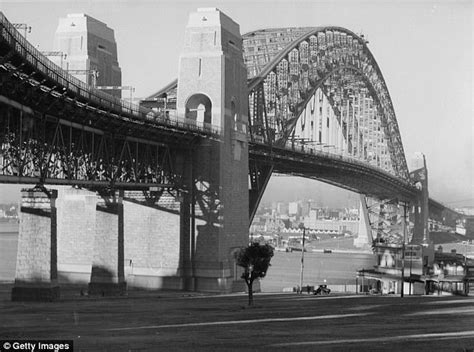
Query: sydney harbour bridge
<point x="168" y="188"/>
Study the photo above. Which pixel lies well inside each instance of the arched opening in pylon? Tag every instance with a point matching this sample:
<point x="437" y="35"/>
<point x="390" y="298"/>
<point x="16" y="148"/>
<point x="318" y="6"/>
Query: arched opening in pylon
<point x="199" y="108"/>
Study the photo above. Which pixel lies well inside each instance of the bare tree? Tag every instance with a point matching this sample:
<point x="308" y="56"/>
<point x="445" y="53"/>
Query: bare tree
<point x="255" y="259"/>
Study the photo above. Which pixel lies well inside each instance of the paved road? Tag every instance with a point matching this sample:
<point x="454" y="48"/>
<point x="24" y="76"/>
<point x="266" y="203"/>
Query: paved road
<point x="168" y="321"/>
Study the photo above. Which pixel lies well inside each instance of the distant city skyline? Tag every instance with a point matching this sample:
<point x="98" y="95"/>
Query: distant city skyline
<point x="423" y="48"/>
<point x="305" y="189"/>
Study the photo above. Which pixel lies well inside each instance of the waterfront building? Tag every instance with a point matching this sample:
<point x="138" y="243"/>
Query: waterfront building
<point x="340" y="226"/>
<point x="418" y="270"/>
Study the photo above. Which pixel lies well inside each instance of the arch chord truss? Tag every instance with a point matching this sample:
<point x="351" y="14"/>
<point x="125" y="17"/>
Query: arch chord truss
<point x="291" y="67"/>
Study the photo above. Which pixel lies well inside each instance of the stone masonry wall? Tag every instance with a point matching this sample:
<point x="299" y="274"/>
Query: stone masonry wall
<point x="36" y="240"/>
<point x="36" y="268"/>
<point x="76" y="232"/>
<point x="152" y="243"/>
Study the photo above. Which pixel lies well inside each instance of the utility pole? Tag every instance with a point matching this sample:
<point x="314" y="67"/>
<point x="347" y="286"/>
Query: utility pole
<point x="302" y="256"/>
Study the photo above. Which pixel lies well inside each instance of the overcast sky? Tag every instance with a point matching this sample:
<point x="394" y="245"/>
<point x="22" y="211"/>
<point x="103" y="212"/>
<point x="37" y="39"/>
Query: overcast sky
<point x="424" y="49"/>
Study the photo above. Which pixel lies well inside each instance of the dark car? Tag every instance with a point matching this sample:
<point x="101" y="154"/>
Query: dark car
<point x="322" y="290"/>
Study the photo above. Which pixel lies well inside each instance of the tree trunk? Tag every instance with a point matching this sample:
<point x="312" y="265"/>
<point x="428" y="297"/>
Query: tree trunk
<point x="249" y="288"/>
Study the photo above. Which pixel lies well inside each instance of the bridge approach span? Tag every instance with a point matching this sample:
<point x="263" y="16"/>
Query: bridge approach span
<point x="55" y="129"/>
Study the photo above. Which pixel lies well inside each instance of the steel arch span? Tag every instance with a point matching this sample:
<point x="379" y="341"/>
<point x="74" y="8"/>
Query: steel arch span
<point x="313" y="88"/>
<point x="294" y="73"/>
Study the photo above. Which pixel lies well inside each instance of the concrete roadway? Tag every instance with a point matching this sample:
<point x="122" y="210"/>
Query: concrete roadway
<point x="177" y="321"/>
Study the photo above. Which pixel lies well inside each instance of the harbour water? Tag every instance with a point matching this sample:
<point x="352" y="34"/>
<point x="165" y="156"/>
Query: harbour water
<point x="8" y="249"/>
<point x="336" y="268"/>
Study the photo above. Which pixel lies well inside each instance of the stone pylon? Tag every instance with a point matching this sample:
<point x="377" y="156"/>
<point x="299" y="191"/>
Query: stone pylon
<point x="212" y="90"/>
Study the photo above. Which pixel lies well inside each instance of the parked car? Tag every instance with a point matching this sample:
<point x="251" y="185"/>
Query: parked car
<point x="322" y="290"/>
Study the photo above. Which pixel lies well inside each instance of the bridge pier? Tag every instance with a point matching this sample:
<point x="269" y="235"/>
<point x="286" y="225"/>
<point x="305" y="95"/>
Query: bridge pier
<point x="76" y="213"/>
<point x="153" y="237"/>
<point x="156" y="237"/>
<point x="212" y="90"/>
<point x="107" y="274"/>
<point x="36" y="277"/>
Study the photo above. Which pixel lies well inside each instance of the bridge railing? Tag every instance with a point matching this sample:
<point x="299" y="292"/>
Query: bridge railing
<point x="172" y="117"/>
<point x="85" y="92"/>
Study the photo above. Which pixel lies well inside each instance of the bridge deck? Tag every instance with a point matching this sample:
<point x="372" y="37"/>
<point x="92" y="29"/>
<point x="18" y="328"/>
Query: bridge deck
<point x="334" y="169"/>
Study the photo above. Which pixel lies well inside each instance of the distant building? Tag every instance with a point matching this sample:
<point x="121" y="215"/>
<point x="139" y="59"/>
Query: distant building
<point x="313" y="222"/>
<point x="282" y="208"/>
<point x="352" y="213"/>
<point x="305" y="207"/>
<point x="267" y="224"/>
<point x="258" y="225"/>
<point x="424" y="270"/>
<point x="294" y="209"/>
<point x="466" y="210"/>
<point x="91" y="51"/>
<point x="334" y="214"/>
<point x="469" y="227"/>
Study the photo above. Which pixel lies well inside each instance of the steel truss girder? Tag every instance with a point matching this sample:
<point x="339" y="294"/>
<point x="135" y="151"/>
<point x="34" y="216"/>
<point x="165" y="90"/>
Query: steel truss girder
<point x="57" y="103"/>
<point x="45" y="149"/>
<point x="28" y="64"/>
<point x="388" y="224"/>
<point x="357" y="114"/>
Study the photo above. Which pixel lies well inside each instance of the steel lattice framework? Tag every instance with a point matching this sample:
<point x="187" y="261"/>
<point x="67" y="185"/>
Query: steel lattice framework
<point x="283" y="81"/>
<point x="56" y="129"/>
<point x="291" y="72"/>
<point x="287" y="66"/>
